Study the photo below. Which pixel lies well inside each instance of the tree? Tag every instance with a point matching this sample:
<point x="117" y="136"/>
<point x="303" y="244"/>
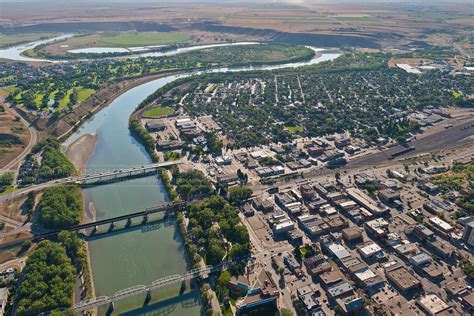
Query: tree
<point x="47" y="282"/>
<point x="215" y="252"/>
<point x="238" y="194"/>
<point x="285" y="312"/>
<point x="60" y="206"/>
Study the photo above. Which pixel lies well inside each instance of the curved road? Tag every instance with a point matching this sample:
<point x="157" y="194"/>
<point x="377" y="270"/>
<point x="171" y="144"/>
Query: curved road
<point x="33" y="140"/>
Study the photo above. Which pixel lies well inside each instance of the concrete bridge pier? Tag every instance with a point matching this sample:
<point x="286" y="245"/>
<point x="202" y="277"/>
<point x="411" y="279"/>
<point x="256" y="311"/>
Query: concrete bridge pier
<point x="147" y="298"/>
<point x="145" y="219"/>
<point x="183" y="287"/>
<point x="111" y="309"/>
<point x="112" y="226"/>
<point x="129" y="222"/>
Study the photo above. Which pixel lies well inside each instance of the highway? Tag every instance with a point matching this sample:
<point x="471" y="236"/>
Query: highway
<point x="92" y="178"/>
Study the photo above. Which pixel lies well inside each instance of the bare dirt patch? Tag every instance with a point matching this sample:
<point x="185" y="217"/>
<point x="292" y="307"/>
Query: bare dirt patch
<point x="14" y="136"/>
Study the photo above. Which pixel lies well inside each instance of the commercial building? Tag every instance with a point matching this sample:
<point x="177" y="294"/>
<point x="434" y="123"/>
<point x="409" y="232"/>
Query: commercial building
<point x="441" y="225"/>
<point x="402" y="278"/>
<point x="352" y="234"/>
<point x="283" y="227"/>
<point x="468" y="234"/>
<point x="265" y="292"/>
<point x="378" y="227"/>
<point x="154" y="126"/>
<point x="371" y="250"/>
<point x="420" y="259"/>
<point x="432" y="304"/>
<point x="341" y="289"/>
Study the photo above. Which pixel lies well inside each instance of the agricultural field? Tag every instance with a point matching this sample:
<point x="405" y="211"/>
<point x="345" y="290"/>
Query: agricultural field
<point x="13" y="39"/>
<point x="118" y="40"/>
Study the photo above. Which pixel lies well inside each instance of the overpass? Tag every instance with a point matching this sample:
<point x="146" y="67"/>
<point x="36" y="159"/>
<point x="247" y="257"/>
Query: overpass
<point x="95" y="178"/>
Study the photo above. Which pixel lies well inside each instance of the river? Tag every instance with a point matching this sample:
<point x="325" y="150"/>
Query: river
<point x="17" y="52"/>
<point x="138" y="255"/>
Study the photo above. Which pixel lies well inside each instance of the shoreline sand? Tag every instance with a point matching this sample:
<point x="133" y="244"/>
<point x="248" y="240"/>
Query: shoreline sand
<point x="81" y="150"/>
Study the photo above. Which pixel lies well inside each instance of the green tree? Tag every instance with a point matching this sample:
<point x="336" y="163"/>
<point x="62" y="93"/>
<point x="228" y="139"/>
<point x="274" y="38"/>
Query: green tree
<point x="238" y="194"/>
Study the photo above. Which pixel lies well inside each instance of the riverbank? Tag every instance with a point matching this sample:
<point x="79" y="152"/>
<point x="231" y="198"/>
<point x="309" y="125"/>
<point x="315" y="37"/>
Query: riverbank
<point x="81" y="150"/>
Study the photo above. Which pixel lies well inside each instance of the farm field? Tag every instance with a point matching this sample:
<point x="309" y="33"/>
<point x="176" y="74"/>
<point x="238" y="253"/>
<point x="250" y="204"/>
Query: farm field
<point x="118" y="40"/>
<point x="12" y="39"/>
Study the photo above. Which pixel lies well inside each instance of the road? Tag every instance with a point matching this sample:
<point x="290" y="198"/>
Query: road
<point x="32" y="142"/>
<point x="80" y="179"/>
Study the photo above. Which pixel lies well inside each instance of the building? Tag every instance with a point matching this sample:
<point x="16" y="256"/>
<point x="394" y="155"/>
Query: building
<point x="229" y="179"/>
<point x="154" y="126"/>
<point x="365" y="201"/>
<point x="265" y="292"/>
<point x="317" y="265"/>
<point x="440" y="247"/>
<point x="441" y="225"/>
<point x="283" y="227"/>
<point x="223" y="160"/>
<point x="378" y="227"/>
<point x="309" y="298"/>
<point x="402" y="278"/>
<point x="422" y="232"/>
<point x="263" y="205"/>
<point x="389" y="196"/>
<point x="370" y="251"/>
<point x="270" y="171"/>
<point x="420" y="259"/>
<point x="342" y="289"/>
<point x="468" y="234"/>
<point x="352" y="234"/>
<point x="437" y="207"/>
<point x="432" y="304"/>
<point x="336" y="250"/>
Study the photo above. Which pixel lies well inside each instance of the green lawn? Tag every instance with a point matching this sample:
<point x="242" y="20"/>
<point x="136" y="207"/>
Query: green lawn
<point x="457" y="94"/>
<point x="294" y="129"/>
<point x="159" y="111"/>
<point x="131" y="39"/>
<point x="83" y="94"/>
<point x="64" y="101"/>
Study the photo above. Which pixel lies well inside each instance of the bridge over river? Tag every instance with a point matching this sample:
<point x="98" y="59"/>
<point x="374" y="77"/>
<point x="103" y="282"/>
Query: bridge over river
<point x="167" y="208"/>
<point x="142" y="289"/>
<point x="96" y="178"/>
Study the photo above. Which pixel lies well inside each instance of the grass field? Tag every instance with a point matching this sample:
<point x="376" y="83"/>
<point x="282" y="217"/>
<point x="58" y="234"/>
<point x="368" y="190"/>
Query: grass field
<point x="457" y="94"/>
<point x="158" y="111"/>
<point x="5" y="91"/>
<point x="20" y="38"/>
<point x="132" y="39"/>
<point x="294" y="129"/>
<point x="82" y="95"/>
<point x="116" y="40"/>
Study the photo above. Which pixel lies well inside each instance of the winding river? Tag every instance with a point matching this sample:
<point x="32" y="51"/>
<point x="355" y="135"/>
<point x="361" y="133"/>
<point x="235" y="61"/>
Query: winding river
<point x="138" y="255"/>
